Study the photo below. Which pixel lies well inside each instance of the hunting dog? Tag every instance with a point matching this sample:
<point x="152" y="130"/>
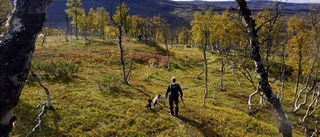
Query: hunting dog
<point x="148" y="105"/>
<point x="156" y="100"/>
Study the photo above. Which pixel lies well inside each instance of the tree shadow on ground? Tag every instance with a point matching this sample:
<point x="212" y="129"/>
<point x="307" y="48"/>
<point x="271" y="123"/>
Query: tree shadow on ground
<point x="142" y="90"/>
<point x="155" y="45"/>
<point x="51" y="80"/>
<point x="200" y="126"/>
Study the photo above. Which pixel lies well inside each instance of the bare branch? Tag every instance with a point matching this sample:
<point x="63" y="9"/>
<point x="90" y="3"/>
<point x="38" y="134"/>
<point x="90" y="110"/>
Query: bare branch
<point x="43" y="110"/>
<point x="267" y="21"/>
<point x="316" y="106"/>
<point x="247" y="75"/>
<point x="298" y="106"/>
<point x="252" y="94"/>
<point x="315" y="128"/>
<point x="237" y="79"/>
<point x="49" y="105"/>
<point x="309" y="107"/>
<point x="110" y="14"/>
<point x="44" y="107"/>
<point x="198" y="76"/>
<point x="130" y="69"/>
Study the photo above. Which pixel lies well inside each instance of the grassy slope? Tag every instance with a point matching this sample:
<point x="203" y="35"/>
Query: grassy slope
<point x="81" y="109"/>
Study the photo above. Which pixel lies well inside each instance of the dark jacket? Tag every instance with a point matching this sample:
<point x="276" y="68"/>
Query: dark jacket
<point x="173" y="90"/>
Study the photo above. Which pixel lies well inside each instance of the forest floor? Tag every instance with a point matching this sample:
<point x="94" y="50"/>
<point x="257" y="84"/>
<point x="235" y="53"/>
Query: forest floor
<point x="82" y="108"/>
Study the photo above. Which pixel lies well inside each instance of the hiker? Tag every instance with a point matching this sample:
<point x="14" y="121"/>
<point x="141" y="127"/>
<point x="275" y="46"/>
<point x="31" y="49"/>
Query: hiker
<point x="173" y="90"/>
<point x="140" y="37"/>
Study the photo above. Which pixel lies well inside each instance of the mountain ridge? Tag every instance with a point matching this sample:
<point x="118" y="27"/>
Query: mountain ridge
<point x="177" y="13"/>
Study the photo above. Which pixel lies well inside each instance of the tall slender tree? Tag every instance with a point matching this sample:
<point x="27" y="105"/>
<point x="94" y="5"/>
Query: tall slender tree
<point x="270" y="38"/>
<point x="101" y="20"/>
<point x="122" y="17"/>
<point x="67" y="28"/>
<point x="183" y="36"/>
<point x="201" y="34"/>
<point x="298" y="43"/>
<point x="282" y="119"/>
<point x="84" y="27"/>
<point x="197" y="26"/>
<point x="165" y="31"/>
<point x="74" y="11"/>
<point x="92" y="22"/>
<point x="119" y="20"/>
<point x="137" y="26"/>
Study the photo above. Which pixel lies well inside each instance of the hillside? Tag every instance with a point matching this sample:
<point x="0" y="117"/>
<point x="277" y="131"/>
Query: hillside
<point x="83" y="109"/>
<point x="177" y="13"/>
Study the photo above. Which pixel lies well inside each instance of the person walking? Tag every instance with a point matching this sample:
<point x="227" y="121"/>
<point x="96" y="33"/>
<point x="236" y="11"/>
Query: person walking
<point x="174" y="90"/>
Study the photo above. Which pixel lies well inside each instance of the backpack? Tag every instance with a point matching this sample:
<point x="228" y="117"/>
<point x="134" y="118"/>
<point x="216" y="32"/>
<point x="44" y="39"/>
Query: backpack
<point x="174" y="90"/>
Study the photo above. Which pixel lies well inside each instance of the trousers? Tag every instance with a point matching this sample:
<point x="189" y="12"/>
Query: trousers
<point x="176" y="102"/>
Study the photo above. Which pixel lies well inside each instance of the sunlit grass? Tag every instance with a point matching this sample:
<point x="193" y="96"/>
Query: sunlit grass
<point x="82" y="109"/>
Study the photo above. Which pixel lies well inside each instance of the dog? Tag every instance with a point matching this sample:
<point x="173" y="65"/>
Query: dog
<point x="148" y="105"/>
<point x="156" y="100"/>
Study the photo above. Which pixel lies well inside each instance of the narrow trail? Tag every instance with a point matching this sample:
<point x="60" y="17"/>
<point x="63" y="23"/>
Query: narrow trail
<point x="182" y="120"/>
<point x="189" y="129"/>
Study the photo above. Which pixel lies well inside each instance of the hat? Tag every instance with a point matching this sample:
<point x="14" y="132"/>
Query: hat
<point x="173" y="79"/>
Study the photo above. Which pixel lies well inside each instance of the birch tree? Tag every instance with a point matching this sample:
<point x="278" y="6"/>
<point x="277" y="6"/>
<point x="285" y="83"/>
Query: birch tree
<point x="298" y="46"/>
<point x="119" y="21"/>
<point x="183" y="36"/>
<point x="165" y="32"/>
<point x="201" y="34"/>
<point x="74" y="11"/>
<point x="307" y="98"/>
<point x="282" y="119"/>
<point x="270" y="38"/>
<point x="16" y="51"/>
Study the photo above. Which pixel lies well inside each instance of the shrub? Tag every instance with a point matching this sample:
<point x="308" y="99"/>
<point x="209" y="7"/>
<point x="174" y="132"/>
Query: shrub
<point x="151" y="43"/>
<point x="150" y="58"/>
<point x="56" y="70"/>
<point x="109" y="83"/>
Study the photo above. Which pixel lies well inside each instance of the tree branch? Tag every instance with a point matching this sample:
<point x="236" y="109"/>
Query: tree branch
<point x="316" y="123"/>
<point x="298" y="106"/>
<point x="48" y="104"/>
<point x="308" y="113"/>
<point x="43" y="110"/>
<point x="252" y="94"/>
<point x="198" y="76"/>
